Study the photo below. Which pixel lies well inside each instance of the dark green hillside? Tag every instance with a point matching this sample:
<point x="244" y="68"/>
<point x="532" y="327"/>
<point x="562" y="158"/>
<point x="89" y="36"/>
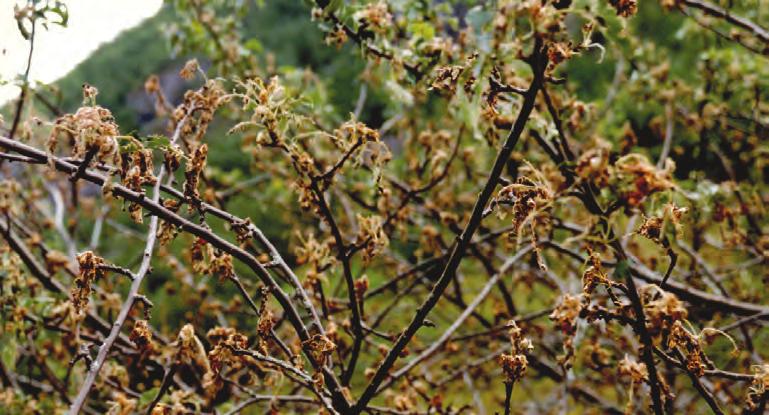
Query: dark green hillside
<point x="120" y="67"/>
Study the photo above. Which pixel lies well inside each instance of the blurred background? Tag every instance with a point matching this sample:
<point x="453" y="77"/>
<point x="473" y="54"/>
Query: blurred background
<point x="92" y="23"/>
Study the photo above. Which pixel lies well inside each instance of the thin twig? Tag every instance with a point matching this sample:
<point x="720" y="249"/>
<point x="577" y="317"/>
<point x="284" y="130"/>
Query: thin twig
<point x="167" y="379"/>
<point x="25" y="83"/>
<point x="538" y="62"/>
<point x="133" y="291"/>
<point x="157" y="209"/>
<point x="438" y="343"/>
<point x="716" y="11"/>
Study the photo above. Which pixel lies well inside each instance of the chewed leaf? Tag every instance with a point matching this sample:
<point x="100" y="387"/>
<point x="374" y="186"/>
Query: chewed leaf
<point x="128" y="144"/>
<point x="59" y="9"/>
<point x="157" y="142"/>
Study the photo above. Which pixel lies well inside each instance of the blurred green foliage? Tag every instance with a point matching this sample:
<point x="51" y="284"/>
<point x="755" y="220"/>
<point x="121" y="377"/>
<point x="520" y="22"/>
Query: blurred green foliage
<point x="121" y="66"/>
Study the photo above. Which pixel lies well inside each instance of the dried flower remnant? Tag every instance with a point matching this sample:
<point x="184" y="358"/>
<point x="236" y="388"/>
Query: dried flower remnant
<point x="529" y="198"/>
<point x="566" y="313"/>
<point x="88" y="271"/>
<point x="189" y="349"/>
<point x="560" y="52"/>
<point x="266" y="321"/>
<point x="353" y="132"/>
<point x="759" y="387"/>
<point x="11" y="285"/>
<point x="695" y="356"/>
<point x="361" y="286"/>
<point x="135" y="212"/>
<point x="122" y="405"/>
<point x="515" y="363"/>
<point x="358" y="143"/>
<point x="637" y="373"/>
<point x="221" y="265"/>
<point x="136" y="171"/>
<point x="196" y="112"/>
<point x="651" y="228"/>
<point x="89" y="94"/>
<point x="243" y="230"/>
<point x="446" y="78"/>
<point x="152" y="87"/>
<point x="692" y="345"/>
<point x="192" y="174"/>
<point x="141" y="335"/>
<point x="198" y="252"/>
<point x="320" y="346"/>
<point x="657" y="228"/>
<point x="625" y="8"/>
<point x="634" y="178"/>
<point x="8" y="200"/>
<point x="565" y="316"/>
<point x="593" y="166"/>
<point x="208" y="260"/>
<point x="375" y="16"/>
<point x="268" y="104"/>
<point x="663" y="311"/>
<point x="172" y="157"/>
<point x="594" y="275"/>
<point x="180" y="403"/>
<point x="93" y="131"/>
<point x="191" y="67"/>
<point x="224" y="341"/>
<point x="314" y="252"/>
<point x="167" y="231"/>
<point x="336" y="37"/>
<point x="371" y="236"/>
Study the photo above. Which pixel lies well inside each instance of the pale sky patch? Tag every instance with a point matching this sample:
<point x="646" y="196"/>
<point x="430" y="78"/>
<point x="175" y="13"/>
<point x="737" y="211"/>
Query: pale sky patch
<point x="58" y="50"/>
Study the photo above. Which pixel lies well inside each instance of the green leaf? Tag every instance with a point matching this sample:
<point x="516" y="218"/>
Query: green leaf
<point x="147" y="397"/>
<point x="254" y="45"/>
<point x="60" y="9"/>
<point x="10" y="351"/>
<point x="333" y="5"/>
<point x="422" y="30"/>
<point x="127" y="145"/>
<point x="156" y="142"/>
<point x="477" y="17"/>
<point x="622" y="270"/>
<point x="23" y="30"/>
